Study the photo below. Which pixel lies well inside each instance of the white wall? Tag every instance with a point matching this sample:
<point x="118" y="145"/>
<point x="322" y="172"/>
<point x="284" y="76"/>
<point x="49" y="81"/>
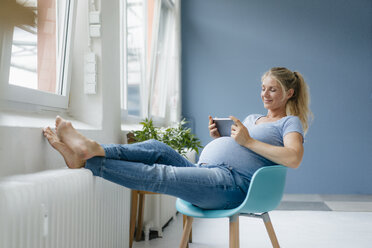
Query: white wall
<point x="23" y="149"/>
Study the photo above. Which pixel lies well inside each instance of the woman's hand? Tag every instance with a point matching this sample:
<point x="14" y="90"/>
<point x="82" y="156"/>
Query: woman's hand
<point x="239" y="132"/>
<point x="213" y="132"/>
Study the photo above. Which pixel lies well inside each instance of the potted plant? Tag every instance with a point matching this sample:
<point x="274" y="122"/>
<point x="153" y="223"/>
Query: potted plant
<point x="179" y="137"/>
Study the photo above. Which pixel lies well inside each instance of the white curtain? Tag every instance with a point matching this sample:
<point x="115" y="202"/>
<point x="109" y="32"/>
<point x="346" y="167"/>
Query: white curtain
<point x="164" y="102"/>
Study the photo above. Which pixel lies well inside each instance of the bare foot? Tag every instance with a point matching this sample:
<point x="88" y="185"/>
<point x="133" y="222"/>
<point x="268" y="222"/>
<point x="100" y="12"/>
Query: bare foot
<point x="72" y="160"/>
<point x="80" y="145"/>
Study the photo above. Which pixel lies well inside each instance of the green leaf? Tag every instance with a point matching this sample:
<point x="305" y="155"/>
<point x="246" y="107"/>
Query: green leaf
<point x="178" y="137"/>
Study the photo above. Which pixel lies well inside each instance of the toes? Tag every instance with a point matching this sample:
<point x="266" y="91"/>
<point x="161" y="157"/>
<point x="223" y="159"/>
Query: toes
<point x="62" y="123"/>
<point x="47" y="130"/>
<point x="68" y="124"/>
<point x="58" y="120"/>
<point x="49" y="134"/>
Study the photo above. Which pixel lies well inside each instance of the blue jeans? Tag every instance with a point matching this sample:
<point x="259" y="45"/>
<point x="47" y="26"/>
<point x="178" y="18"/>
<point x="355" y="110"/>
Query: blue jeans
<point x="156" y="167"/>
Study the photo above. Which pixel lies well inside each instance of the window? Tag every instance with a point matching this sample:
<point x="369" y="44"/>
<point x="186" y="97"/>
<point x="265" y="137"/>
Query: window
<point x="135" y="57"/>
<point x="35" y="60"/>
<point x="150" y="60"/>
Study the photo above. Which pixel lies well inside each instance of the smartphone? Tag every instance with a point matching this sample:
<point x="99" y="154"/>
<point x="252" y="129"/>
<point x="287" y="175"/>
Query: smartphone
<point x="223" y="125"/>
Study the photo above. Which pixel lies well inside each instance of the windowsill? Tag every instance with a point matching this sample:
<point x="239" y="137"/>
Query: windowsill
<point x="37" y="120"/>
<point x="133" y="124"/>
<point x="130" y="127"/>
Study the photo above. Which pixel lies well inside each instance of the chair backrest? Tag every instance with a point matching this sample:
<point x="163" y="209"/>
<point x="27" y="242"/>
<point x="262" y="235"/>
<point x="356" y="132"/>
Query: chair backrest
<point x="265" y="190"/>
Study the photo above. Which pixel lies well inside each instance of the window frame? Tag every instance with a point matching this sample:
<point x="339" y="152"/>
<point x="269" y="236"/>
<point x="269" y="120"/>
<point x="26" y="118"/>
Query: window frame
<point x="13" y="93"/>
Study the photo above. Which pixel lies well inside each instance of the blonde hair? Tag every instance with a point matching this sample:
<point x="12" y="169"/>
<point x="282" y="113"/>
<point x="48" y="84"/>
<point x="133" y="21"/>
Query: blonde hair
<point x="298" y="104"/>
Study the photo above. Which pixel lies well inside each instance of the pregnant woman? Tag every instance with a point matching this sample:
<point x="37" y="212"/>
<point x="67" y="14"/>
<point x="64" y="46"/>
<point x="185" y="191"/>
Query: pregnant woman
<point x="221" y="177"/>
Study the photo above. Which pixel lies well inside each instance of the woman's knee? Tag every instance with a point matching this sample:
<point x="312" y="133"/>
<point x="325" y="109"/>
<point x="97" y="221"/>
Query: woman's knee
<point x="155" y="145"/>
<point x="154" y="142"/>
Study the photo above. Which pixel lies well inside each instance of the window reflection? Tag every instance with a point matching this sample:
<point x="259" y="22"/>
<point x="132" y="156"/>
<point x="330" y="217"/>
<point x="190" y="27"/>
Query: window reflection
<point x="34" y="49"/>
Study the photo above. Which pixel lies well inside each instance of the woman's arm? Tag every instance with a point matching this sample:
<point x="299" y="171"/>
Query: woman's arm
<point x="290" y="155"/>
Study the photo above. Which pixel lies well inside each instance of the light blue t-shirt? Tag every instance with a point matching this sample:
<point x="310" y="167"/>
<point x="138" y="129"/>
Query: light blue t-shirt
<point x="225" y="150"/>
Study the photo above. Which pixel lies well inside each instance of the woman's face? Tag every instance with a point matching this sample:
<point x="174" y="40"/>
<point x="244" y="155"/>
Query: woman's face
<point x="272" y="94"/>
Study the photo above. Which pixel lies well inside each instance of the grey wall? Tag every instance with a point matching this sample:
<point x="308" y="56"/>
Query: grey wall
<point x="228" y="45"/>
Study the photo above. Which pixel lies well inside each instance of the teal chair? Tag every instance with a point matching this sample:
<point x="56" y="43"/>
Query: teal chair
<point x="264" y="194"/>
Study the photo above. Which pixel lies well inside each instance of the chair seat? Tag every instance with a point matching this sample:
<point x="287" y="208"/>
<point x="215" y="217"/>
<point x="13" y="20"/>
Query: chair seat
<point x="188" y="209"/>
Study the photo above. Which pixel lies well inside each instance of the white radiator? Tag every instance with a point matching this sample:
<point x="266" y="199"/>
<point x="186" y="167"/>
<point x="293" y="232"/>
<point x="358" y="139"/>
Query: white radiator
<point x="63" y="209"/>
<point x="159" y="209"/>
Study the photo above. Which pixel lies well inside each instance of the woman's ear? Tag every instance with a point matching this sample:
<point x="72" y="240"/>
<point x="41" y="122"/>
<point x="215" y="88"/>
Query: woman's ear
<point x="290" y="93"/>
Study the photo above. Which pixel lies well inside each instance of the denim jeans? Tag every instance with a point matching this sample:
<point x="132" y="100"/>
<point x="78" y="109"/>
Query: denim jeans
<point x="156" y="167"/>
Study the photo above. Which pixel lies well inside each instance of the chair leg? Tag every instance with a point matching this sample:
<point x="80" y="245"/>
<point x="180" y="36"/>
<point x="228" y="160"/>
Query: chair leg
<point x="234" y="231"/>
<point x="270" y="230"/>
<point x="141" y="207"/>
<point x="133" y="215"/>
<point x="184" y="222"/>
<point x="186" y="232"/>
